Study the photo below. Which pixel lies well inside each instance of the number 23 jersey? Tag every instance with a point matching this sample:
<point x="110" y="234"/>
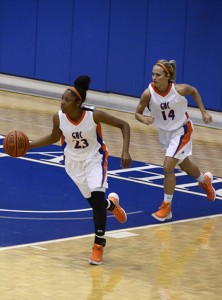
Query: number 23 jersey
<point x="83" y="139"/>
<point x="168" y="109"/>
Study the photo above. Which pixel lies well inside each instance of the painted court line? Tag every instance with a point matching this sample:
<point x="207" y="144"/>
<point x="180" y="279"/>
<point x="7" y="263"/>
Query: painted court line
<point x="45" y="211"/>
<point x="149" y="175"/>
<point x="107" y="233"/>
<point x="40" y="248"/>
<point x="62" y="219"/>
<point x="161" y="186"/>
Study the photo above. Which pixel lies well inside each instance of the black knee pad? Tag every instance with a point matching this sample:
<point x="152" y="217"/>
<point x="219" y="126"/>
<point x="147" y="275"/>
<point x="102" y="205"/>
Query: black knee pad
<point x="98" y="203"/>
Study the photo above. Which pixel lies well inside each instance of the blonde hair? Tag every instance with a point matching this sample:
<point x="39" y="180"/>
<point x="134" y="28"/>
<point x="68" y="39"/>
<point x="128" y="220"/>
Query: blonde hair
<point x="169" y="67"/>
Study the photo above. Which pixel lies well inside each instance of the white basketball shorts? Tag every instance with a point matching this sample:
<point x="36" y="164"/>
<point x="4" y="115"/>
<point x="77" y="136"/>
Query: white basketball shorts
<point x="177" y="143"/>
<point x="89" y="175"/>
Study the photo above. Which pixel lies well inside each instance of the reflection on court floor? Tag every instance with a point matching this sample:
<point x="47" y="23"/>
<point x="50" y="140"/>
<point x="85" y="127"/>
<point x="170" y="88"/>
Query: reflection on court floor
<point x="39" y="202"/>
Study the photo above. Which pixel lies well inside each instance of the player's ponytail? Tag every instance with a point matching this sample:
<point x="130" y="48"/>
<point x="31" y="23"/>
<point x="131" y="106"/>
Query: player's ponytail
<point x="82" y="85"/>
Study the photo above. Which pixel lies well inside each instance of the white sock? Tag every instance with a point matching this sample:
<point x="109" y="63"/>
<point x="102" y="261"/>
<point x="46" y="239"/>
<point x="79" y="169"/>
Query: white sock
<point x="168" y="198"/>
<point x="108" y="205"/>
<point x="200" y="178"/>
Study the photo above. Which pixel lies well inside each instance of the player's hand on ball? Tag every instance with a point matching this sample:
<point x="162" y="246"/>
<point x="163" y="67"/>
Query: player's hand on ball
<point x="16" y="143"/>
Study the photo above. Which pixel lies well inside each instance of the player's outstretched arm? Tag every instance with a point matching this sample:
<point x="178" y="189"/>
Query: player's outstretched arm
<point x="185" y="90"/>
<point x="52" y="138"/>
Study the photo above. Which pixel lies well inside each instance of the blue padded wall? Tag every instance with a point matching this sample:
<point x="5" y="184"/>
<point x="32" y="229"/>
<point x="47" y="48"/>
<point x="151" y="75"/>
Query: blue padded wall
<point x="18" y="37"/>
<point x="203" y="50"/>
<point x="54" y="36"/>
<point x="127" y="40"/>
<point x="1" y="30"/>
<point x="90" y="41"/>
<point x="116" y="42"/>
<point x="165" y="34"/>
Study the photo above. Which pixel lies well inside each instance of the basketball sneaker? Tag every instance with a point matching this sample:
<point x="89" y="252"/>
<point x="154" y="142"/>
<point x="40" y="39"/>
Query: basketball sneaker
<point x="207" y="186"/>
<point x="96" y="257"/>
<point x="118" y="211"/>
<point x="164" y="213"/>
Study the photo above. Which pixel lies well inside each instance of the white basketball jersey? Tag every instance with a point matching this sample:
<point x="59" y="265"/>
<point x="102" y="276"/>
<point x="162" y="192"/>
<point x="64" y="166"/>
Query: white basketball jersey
<point x="83" y="139"/>
<point x="168" y="109"/>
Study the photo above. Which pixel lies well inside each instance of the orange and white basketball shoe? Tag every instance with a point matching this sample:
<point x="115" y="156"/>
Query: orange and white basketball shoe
<point x="118" y="211"/>
<point x="96" y="258"/>
<point x="207" y="186"/>
<point x="164" y="213"/>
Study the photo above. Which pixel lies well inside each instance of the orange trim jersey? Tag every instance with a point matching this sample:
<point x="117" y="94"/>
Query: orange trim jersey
<point x="168" y="108"/>
<point x="185" y="138"/>
<point x="82" y="140"/>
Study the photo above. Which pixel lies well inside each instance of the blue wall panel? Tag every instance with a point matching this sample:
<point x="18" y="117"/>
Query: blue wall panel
<point x="165" y="34"/>
<point x="203" y="52"/>
<point x="54" y="37"/>
<point x="90" y="41"/>
<point x="18" y="37"/>
<point x="127" y="40"/>
<point x="1" y="29"/>
<point x="116" y="42"/>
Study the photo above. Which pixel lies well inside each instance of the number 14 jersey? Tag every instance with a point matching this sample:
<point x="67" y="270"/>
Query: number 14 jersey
<point x="169" y="109"/>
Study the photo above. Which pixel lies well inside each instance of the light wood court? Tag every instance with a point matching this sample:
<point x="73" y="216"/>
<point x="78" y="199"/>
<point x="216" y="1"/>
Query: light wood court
<point x="175" y="261"/>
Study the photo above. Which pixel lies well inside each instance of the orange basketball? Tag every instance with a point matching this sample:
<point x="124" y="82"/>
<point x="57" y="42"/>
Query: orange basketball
<point x="16" y="143"/>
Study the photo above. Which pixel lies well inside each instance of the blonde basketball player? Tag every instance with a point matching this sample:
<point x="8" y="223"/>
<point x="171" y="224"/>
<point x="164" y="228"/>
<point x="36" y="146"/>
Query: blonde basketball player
<point x="86" y="156"/>
<point x="168" y="112"/>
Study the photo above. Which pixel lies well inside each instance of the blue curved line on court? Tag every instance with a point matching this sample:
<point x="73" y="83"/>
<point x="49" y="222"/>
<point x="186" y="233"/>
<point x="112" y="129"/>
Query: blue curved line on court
<point x="62" y="219"/>
<point x="30" y="187"/>
<point x="45" y="212"/>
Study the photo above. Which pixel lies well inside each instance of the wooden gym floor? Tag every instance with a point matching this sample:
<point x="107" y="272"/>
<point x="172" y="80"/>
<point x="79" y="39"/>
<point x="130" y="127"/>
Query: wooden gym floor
<point x="162" y="262"/>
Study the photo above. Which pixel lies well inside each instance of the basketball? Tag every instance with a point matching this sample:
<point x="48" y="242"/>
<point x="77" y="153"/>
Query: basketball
<point x="16" y="143"/>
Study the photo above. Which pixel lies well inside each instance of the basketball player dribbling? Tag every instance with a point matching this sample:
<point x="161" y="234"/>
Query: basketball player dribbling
<point x="85" y="153"/>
